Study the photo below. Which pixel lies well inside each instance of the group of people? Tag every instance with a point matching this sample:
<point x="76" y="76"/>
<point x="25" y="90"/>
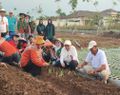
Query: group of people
<point x="32" y="52"/>
<point x="11" y="25"/>
<point x="47" y="31"/>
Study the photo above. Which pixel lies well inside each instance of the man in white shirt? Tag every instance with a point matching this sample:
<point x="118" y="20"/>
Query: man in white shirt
<point x="68" y="56"/>
<point x="96" y="62"/>
<point x="3" y="23"/>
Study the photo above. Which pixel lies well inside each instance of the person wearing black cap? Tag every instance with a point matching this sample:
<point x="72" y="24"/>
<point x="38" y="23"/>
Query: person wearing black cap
<point x="22" y="25"/>
<point x="41" y="28"/>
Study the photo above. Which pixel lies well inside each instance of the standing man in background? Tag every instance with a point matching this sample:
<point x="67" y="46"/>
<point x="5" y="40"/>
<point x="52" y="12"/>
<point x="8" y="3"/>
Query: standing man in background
<point x="12" y="24"/>
<point x="3" y="23"/>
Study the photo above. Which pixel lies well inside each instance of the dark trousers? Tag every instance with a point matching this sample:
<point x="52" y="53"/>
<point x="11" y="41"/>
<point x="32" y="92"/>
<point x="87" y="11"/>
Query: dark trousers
<point x="72" y="65"/>
<point x="3" y="35"/>
<point x="33" y="69"/>
<point x="47" y="57"/>
<point x="11" y="59"/>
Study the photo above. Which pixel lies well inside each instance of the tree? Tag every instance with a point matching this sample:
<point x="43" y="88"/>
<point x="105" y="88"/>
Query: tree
<point x="57" y="0"/>
<point x="73" y="4"/>
<point x="15" y="9"/>
<point x="60" y="13"/>
<point x="39" y="10"/>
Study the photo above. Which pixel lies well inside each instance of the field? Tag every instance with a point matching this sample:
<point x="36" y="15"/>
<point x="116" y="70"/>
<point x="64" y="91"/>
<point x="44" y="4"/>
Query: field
<point x="56" y="81"/>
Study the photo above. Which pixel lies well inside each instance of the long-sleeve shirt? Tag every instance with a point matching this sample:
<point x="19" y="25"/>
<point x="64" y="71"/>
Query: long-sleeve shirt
<point x="32" y="54"/>
<point x="68" y="55"/>
<point x="50" y="31"/>
<point x="7" y="48"/>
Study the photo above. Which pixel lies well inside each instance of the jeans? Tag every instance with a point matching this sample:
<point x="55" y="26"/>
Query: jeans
<point x="11" y="34"/>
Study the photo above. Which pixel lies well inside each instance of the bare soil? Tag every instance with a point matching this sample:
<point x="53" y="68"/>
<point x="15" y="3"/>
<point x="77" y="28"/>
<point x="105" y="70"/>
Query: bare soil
<point x="52" y="81"/>
<point x="56" y="81"/>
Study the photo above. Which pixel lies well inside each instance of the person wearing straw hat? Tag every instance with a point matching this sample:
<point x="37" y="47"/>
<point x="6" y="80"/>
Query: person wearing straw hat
<point x="3" y="23"/>
<point x="31" y="59"/>
<point x="95" y="63"/>
<point x="22" y="25"/>
<point x="68" y="56"/>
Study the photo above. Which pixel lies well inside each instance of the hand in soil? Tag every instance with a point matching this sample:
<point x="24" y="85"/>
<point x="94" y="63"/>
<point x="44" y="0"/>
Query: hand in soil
<point x="91" y="72"/>
<point x="46" y="64"/>
<point x="63" y="65"/>
<point x="79" y="66"/>
<point x="3" y="64"/>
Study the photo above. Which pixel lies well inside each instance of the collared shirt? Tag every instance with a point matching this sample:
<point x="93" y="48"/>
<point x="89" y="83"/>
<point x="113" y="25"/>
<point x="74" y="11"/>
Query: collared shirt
<point x="97" y="60"/>
<point x="3" y="24"/>
<point x="12" y="23"/>
<point x="66" y="55"/>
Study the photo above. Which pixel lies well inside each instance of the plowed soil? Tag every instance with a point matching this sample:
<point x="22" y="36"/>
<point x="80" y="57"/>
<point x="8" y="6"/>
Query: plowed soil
<point x="56" y="81"/>
<point x="52" y="81"/>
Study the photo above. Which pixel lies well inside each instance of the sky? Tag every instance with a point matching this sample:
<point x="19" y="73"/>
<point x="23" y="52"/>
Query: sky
<point x="49" y="7"/>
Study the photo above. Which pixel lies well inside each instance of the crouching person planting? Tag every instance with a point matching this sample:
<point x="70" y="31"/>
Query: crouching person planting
<point x="9" y="53"/>
<point x="68" y="56"/>
<point x="96" y="63"/>
<point x="31" y="59"/>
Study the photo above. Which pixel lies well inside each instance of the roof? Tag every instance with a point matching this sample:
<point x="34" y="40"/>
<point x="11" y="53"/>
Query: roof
<point x="84" y="13"/>
<point x="108" y="12"/>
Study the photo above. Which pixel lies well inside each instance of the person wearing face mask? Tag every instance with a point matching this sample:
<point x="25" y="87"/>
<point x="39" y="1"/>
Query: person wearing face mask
<point x="50" y="30"/>
<point x="3" y="23"/>
<point x="68" y="56"/>
<point x="96" y="63"/>
<point x="31" y="59"/>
